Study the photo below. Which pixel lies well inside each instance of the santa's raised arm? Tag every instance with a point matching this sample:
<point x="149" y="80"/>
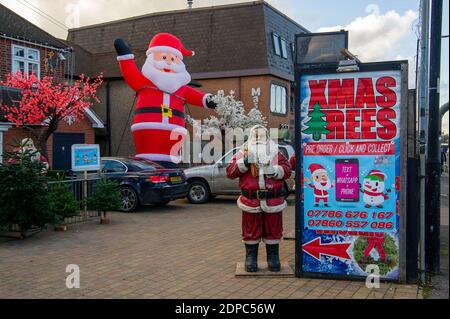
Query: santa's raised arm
<point x="162" y="91"/>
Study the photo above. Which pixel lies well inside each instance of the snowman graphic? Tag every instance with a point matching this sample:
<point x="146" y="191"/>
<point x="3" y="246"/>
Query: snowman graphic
<point x="373" y="189"/>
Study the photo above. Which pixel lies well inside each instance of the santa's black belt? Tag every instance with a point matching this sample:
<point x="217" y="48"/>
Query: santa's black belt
<point x="159" y="110"/>
<point x="263" y="194"/>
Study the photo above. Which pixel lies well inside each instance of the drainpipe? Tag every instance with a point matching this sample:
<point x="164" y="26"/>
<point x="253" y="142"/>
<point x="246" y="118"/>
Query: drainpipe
<point x="422" y="94"/>
<point x="442" y="110"/>
<point x="108" y="115"/>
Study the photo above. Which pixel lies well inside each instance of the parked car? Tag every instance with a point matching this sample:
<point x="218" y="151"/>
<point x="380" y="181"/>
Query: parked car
<point x="143" y="182"/>
<point x="207" y="181"/>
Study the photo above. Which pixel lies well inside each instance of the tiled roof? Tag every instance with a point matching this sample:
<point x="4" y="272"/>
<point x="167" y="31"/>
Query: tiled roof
<point x="224" y="38"/>
<point x="14" y="26"/>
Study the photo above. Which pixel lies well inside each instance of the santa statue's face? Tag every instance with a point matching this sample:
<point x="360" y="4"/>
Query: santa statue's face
<point x="28" y="145"/>
<point x="166" y="70"/>
<point x="260" y="146"/>
<point x="259" y="136"/>
<point x="321" y="181"/>
<point x="374" y="185"/>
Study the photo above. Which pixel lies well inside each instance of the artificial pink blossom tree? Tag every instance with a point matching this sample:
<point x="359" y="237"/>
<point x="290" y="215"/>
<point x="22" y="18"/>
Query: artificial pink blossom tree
<point x="45" y="102"/>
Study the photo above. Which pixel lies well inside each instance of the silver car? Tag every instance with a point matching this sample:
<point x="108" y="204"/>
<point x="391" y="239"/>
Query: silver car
<point x="207" y="181"/>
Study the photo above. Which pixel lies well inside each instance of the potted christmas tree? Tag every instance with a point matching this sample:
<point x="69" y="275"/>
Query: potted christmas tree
<point x="106" y="197"/>
<point x="63" y="203"/>
<point x="24" y="197"/>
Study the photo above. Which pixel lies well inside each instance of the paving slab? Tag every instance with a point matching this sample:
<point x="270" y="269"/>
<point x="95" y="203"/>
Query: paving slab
<point x="177" y="251"/>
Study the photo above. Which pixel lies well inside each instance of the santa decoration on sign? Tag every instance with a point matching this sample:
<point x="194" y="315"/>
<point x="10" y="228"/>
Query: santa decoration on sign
<point x="321" y="183"/>
<point x="162" y="92"/>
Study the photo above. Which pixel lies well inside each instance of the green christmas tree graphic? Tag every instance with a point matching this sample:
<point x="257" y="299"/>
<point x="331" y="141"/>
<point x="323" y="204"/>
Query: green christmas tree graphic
<point x="316" y="124"/>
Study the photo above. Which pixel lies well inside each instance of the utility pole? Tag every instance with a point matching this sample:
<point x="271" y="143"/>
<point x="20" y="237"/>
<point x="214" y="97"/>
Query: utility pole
<point x="422" y="98"/>
<point x="433" y="160"/>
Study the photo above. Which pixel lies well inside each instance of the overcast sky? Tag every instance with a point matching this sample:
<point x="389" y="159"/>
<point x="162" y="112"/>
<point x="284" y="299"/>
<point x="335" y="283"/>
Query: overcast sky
<point x="379" y="29"/>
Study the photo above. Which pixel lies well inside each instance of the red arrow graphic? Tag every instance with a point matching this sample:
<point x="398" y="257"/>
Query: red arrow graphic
<point x="315" y="248"/>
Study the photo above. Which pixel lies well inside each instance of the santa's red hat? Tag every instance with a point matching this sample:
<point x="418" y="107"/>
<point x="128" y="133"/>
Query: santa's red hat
<point x="166" y="42"/>
<point x="377" y="173"/>
<point x="316" y="169"/>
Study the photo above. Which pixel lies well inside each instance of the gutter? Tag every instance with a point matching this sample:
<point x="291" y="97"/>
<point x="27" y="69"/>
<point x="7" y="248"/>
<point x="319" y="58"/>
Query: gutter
<point x="67" y="49"/>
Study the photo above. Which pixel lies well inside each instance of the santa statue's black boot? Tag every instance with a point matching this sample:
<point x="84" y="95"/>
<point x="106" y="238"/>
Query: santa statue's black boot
<point x="273" y="258"/>
<point x="251" y="257"/>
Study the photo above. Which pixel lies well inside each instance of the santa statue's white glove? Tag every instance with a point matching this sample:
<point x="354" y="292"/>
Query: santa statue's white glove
<point x="270" y="171"/>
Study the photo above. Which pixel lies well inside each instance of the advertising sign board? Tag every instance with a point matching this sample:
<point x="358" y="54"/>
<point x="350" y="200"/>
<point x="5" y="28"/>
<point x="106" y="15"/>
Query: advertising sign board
<point x="351" y="174"/>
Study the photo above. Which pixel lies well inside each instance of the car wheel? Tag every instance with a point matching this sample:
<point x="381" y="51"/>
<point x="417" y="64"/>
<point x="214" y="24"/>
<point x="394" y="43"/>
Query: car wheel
<point x="130" y="200"/>
<point x="198" y="192"/>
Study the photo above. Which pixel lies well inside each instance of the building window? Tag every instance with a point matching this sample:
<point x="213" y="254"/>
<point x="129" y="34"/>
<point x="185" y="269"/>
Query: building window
<point x="278" y="99"/>
<point x="284" y="53"/>
<point x="276" y="44"/>
<point x="25" y="60"/>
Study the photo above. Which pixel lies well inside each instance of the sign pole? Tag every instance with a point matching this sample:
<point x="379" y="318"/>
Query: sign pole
<point x="85" y="194"/>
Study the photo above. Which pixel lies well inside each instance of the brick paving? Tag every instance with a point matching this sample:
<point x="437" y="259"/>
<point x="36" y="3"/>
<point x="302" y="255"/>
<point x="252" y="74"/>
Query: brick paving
<point x="178" y="251"/>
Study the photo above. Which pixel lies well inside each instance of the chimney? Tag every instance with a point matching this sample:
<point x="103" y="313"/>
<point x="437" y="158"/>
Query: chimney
<point x="190" y="2"/>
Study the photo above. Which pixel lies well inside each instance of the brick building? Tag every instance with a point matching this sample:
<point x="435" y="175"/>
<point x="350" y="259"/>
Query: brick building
<point x="26" y="48"/>
<point x="247" y="48"/>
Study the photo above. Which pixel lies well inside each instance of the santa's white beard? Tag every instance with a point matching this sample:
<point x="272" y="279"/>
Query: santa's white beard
<point x="262" y="153"/>
<point x="319" y="186"/>
<point x="166" y="81"/>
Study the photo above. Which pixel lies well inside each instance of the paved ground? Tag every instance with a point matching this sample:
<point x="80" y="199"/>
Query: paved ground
<point x="180" y="251"/>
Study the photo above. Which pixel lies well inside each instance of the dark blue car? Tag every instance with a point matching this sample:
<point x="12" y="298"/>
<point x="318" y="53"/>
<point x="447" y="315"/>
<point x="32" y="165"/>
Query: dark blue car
<point x="143" y="182"/>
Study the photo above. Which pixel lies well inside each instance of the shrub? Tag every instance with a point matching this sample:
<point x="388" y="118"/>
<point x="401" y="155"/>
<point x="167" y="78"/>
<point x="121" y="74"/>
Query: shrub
<point x="24" y="197"/>
<point x="106" y="196"/>
<point x="56" y="175"/>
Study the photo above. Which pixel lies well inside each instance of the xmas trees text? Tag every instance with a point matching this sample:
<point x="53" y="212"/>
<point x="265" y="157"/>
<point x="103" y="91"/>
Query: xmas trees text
<point x="45" y="102"/>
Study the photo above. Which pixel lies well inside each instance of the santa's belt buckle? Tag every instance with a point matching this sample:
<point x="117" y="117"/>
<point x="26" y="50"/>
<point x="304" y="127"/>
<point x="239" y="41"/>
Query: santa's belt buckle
<point x="261" y="194"/>
<point x="166" y="110"/>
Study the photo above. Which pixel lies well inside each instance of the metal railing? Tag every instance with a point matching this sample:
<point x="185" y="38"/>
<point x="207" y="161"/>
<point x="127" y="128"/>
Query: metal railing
<point x="81" y="189"/>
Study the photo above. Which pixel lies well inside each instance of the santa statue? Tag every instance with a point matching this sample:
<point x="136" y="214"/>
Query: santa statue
<point x="373" y="189"/>
<point x="321" y="183"/>
<point x="261" y="170"/>
<point x="27" y="145"/>
<point x="162" y="92"/>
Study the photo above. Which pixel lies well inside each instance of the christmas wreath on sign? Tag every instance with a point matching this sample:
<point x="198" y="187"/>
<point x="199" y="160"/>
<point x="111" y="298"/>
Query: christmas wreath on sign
<point x="386" y="248"/>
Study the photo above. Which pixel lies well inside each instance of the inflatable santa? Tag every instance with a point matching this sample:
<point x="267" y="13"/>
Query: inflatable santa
<point x="321" y="183"/>
<point x="162" y="92"/>
<point x="261" y="170"/>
